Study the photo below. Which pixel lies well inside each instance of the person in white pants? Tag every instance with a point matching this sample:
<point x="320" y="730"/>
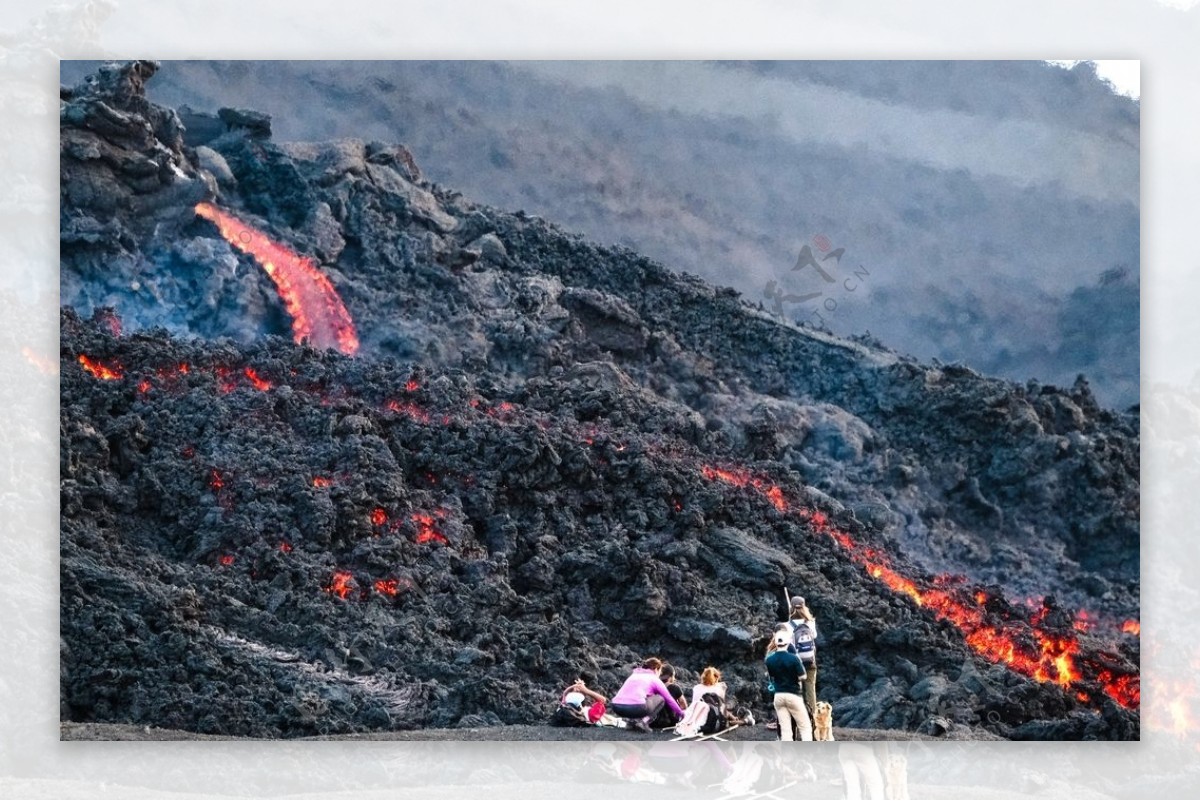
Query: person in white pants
<point x="787" y="674"/>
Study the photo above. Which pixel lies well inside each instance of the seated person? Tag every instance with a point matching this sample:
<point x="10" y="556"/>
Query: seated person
<point x="666" y="718"/>
<point x="574" y="708"/>
<point x="705" y="717"/>
<point x="642" y="696"/>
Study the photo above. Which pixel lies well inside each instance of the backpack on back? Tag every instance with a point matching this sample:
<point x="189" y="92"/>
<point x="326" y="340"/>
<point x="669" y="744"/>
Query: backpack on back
<point x="804" y="641"/>
<point x="716" y="713"/>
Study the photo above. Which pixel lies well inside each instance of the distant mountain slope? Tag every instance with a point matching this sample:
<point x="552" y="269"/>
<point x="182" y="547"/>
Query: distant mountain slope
<point x="976" y="197"/>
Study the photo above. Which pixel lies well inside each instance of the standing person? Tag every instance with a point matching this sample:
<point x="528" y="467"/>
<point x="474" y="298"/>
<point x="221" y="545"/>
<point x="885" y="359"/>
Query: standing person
<point x="787" y="673"/>
<point x="804" y="642"/>
<point x="642" y="696"/>
<point x="769" y="689"/>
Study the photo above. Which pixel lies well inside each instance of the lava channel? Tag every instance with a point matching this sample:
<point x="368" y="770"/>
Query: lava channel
<point x="318" y="314"/>
<point x="1054" y="658"/>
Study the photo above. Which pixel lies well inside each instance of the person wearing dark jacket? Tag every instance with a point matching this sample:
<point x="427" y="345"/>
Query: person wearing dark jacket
<point x="666" y="718"/>
<point x="787" y="674"/>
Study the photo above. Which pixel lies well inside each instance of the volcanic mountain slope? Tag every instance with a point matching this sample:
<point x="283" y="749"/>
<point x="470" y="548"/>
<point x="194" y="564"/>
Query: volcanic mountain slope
<point x="964" y="189"/>
<point x="547" y="457"/>
<point x="983" y="186"/>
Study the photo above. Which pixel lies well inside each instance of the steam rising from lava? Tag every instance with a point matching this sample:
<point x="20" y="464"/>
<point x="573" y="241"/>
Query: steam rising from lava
<point x="317" y="312"/>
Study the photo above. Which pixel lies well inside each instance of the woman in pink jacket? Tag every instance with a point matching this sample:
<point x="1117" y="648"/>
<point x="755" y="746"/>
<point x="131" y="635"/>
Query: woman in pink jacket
<point x="642" y="696"/>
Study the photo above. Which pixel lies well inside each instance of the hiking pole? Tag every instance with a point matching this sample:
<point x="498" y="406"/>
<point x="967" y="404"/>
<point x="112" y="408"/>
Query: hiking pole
<point x="787" y="603"/>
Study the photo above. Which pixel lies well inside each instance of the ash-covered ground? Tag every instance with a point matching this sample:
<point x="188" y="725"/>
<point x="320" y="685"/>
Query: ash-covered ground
<point x="547" y="458"/>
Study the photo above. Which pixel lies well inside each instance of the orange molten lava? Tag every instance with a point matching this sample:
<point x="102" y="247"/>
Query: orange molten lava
<point x="321" y="481"/>
<point x="106" y="372"/>
<point x="317" y="312"/>
<point x="378" y="516"/>
<point x="1131" y="627"/>
<point x="261" y="384"/>
<point x="408" y="409"/>
<point x="387" y="587"/>
<point x="341" y="584"/>
<point x="1052" y="657"/>
<point x="740" y="478"/>
<point x="425" y="530"/>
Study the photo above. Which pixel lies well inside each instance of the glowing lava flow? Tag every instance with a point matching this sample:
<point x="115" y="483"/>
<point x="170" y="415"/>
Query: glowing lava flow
<point x="426" y="531"/>
<point x="341" y="584"/>
<point x="1047" y="657"/>
<point x="387" y="586"/>
<point x="260" y="383"/>
<point x="408" y="409"/>
<point x="317" y="312"/>
<point x="740" y="478"/>
<point x="105" y="372"/>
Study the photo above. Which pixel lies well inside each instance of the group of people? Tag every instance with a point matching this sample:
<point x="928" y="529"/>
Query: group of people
<point x="792" y="667"/>
<point x="651" y="699"/>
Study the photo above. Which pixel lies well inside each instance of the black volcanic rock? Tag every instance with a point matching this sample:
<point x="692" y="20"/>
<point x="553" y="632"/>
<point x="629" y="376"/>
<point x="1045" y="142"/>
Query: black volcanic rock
<point x="543" y="509"/>
<point x="253" y="123"/>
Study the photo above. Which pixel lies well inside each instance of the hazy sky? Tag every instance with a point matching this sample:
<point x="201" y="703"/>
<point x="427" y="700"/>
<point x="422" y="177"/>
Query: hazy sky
<point x="1124" y="74"/>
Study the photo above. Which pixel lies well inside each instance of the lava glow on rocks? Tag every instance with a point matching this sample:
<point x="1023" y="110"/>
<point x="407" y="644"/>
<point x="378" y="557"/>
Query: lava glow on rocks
<point x="1049" y="657"/>
<point x="740" y="478"/>
<point x="408" y="409"/>
<point x="340" y="584"/>
<point x="105" y="372"/>
<point x="387" y="586"/>
<point x="261" y="384"/>
<point x="318" y="314"/>
<point x="426" y="531"/>
<point x="1024" y="644"/>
